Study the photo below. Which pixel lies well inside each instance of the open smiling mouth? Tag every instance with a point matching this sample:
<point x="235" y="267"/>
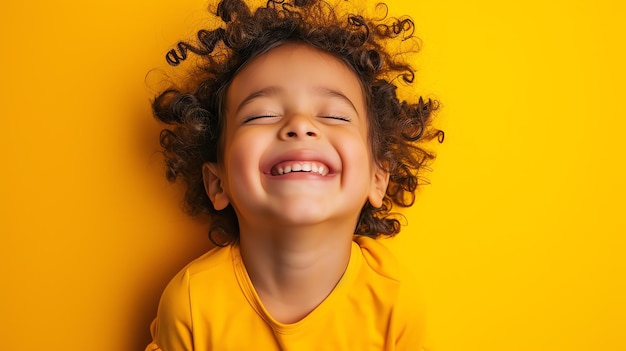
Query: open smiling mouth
<point x="299" y="166"/>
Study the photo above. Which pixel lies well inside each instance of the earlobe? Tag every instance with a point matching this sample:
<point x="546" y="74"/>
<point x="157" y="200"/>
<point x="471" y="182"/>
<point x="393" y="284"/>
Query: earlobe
<point x="379" y="187"/>
<point x="213" y="186"/>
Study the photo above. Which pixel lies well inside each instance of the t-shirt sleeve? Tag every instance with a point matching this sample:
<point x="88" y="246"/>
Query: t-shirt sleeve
<point x="172" y="329"/>
<point x="407" y="324"/>
<point x="409" y="318"/>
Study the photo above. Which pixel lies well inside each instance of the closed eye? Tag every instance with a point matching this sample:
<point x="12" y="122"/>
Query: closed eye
<point x="338" y="118"/>
<point x="254" y="118"/>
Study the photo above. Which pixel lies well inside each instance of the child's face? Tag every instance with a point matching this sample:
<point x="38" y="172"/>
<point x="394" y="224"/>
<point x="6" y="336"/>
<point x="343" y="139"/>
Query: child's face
<point x="296" y="146"/>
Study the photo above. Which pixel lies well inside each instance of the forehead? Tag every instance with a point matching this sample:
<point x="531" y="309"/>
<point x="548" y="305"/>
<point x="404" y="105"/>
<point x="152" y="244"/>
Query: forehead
<point x="295" y="67"/>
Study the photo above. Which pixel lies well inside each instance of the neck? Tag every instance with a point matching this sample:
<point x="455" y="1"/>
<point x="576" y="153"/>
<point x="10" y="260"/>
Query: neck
<point x="294" y="269"/>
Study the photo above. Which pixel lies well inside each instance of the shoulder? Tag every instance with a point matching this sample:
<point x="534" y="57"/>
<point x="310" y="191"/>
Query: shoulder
<point x="379" y="258"/>
<point x="209" y="264"/>
<point x="384" y="263"/>
<point x="173" y="327"/>
<point x="407" y="308"/>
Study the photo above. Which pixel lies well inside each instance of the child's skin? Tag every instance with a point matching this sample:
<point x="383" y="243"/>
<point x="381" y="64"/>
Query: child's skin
<point x="295" y="105"/>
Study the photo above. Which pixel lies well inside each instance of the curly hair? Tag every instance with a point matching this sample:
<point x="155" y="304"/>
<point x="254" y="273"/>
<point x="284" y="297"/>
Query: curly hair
<point x="397" y="129"/>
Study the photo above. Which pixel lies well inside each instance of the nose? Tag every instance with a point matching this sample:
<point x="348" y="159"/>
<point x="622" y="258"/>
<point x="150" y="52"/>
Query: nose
<point x="299" y="127"/>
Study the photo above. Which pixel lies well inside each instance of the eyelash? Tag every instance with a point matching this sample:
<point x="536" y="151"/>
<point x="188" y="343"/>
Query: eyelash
<point x="252" y="118"/>
<point x="339" y="118"/>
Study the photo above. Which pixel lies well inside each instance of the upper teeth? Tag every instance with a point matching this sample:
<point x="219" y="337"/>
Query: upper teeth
<point x="288" y="167"/>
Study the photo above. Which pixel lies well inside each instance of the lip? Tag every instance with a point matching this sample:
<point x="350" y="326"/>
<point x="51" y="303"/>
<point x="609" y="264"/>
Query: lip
<point x="300" y="155"/>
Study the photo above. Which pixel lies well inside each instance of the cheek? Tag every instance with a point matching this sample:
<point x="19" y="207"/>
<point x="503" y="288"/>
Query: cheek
<point x="242" y="162"/>
<point x="242" y="147"/>
<point x="357" y="153"/>
<point x="239" y="161"/>
<point x="371" y="140"/>
<point x="361" y="149"/>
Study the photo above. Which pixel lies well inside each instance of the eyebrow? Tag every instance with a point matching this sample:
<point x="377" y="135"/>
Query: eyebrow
<point x="338" y="94"/>
<point x="267" y="91"/>
<point x="274" y="90"/>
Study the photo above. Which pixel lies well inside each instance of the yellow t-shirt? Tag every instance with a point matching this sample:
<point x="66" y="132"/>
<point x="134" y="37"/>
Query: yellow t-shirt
<point x="212" y="305"/>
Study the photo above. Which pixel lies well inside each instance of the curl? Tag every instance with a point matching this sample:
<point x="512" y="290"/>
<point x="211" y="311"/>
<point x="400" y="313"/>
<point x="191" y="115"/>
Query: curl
<point x="230" y="10"/>
<point x="219" y="237"/>
<point x="440" y="136"/>
<point x="402" y="26"/>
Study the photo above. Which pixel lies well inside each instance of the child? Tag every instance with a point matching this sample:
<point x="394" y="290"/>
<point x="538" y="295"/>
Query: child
<point x="290" y="136"/>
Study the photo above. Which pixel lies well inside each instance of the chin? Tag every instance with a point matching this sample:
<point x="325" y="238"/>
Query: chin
<point x="305" y="215"/>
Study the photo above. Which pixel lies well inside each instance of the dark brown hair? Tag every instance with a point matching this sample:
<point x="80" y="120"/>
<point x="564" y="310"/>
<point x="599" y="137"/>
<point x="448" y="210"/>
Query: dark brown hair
<point x="398" y="130"/>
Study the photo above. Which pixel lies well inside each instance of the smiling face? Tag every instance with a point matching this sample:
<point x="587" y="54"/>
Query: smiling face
<point x="296" y="148"/>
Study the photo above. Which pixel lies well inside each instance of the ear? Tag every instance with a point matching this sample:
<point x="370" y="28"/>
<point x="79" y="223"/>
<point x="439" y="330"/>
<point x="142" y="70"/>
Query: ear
<point x="213" y="185"/>
<point x="378" y="188"/>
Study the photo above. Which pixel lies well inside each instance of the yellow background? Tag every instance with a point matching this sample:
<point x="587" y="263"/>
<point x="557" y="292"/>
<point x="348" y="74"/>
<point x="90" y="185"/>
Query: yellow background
<point x="518" y="243"/>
